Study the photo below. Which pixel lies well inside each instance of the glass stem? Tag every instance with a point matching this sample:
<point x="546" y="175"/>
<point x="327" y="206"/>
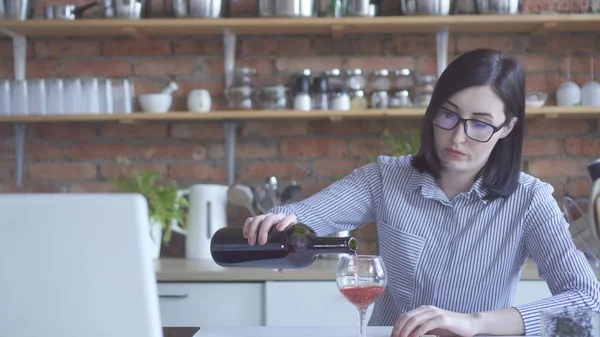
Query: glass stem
<point x="362" y="314"/>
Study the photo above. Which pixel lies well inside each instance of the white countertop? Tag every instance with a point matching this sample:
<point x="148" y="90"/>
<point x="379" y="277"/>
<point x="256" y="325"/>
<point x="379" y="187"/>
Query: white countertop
<point x="276" y="331"/>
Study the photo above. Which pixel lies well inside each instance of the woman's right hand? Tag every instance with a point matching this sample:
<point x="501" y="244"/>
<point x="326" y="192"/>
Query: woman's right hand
<point x="257" y="228"/>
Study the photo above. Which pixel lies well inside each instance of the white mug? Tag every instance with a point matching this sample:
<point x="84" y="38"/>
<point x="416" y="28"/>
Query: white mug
<point x="199" y="100"/>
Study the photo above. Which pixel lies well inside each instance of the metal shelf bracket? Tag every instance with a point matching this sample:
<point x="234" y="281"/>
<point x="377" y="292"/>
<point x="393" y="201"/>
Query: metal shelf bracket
<point x="20" y="65"/>
<point x="229" y="46"/>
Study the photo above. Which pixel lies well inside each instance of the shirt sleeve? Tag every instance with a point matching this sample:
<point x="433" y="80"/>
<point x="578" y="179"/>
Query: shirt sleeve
<point x="567" y="272"/>
<point x="346" y="204"/>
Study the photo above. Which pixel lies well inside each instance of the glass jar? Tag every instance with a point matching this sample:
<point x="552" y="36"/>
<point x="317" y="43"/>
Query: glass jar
<point x="358" y="101"/>
<point x="401" y="99"/>
<point x="340" y="100"/>
<point x="424" y="89"/>
<point x="403" y="79"/>
<point x="239" y="98"/>
<point x="243" y="76"/>
<point x="273" y="97"/>
<point x="380" y="80"/>
<point x="334" y="80"/>
<point x="380" y="99"/>
<point x="355" y="79"/>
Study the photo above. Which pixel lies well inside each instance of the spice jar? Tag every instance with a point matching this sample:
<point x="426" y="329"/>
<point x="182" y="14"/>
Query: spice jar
<point x="403" y="79"/>
<point x="340" y="100"/>
<point x="320" y="100"/>
<point x="424" y="89"/>
<point x="380" y="80"/>
<point x="355" y="79"/>
<point x="358" y="101"/>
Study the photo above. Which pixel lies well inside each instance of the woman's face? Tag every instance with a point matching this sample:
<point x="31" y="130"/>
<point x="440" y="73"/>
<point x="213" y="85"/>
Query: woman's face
<point x="458" y="152"/>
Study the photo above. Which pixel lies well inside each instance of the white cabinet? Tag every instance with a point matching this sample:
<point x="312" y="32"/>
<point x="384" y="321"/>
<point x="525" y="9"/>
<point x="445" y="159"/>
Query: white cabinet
<point x="531" y="290"/>
<point x="211" y="304"/>
<point x="308" y="303"/>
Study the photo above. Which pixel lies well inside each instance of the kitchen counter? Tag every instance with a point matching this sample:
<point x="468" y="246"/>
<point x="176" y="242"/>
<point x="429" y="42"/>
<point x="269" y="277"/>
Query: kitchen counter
<point x="191" y="270"/>
<point x="279" y="331"/>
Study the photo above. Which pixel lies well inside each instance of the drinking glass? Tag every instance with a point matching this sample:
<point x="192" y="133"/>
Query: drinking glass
<point x="361" y="279"/>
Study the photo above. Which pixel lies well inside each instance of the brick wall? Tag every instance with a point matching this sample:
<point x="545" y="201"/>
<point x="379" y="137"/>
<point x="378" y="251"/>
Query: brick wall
<point x="79" y="157"/>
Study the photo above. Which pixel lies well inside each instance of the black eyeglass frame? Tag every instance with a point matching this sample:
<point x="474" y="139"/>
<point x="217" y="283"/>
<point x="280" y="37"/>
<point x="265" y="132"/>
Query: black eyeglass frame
<point x="464" y="123"/>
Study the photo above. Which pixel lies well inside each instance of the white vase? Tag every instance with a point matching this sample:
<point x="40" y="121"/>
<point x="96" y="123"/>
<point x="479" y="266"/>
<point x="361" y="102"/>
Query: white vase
<point x="155" y="237"/>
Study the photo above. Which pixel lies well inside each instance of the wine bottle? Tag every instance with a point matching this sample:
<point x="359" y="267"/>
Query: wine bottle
<point x="296" y="247"/>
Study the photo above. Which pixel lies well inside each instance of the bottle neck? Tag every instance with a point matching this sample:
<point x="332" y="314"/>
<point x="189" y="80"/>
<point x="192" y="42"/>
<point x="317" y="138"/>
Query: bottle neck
<point x="334" y="245"/>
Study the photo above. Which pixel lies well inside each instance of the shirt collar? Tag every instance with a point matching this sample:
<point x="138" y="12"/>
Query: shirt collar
<point x="430" y="189"/>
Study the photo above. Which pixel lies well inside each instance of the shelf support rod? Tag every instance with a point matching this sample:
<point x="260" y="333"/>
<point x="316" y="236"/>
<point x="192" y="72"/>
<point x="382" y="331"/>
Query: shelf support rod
<point x="442" y="38"/>
<point x="229" y="46"/>
<point x="19" y="63"/>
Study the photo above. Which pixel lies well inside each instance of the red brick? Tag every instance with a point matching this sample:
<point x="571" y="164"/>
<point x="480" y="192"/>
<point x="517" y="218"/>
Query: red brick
<point x="274" y="128"/>
<point x="315" y="63"/>
<point x="367" y="147"/>
<point x="32" y="187"/>
<point x="264" y="66"/>
<point x="263" y="169"/>
<point x="61" y="171"/>
<point x="336" y="168"/>
<point x="427" y="64"/>
<point x="99" y="150"/>
<point x="558" y="168"/>
<point x="159" y="130"/>
<point x="101" y="68"/>
<point x="351" y="127"/>
<point x="6" y="49"/>
<point x="539" y="62"/>
<point x="170" y="66"/>
<point x="113" y="169"/>
<point x="329" y="46"/>
<point x="172" y="151"/>
<point x="579" y="188"/>
<point x="414" y="43"/>
<point x="93" y="187"/>
<point x="469" y="42"/>
<point x="557" y="126"/>
<point x="45" y="151"/>
<point x="559" y="185"/>
<point x="368" y="63"/>
<point x="583" y="147"/>
<point x="133" y="47"/>
<point x="201" y="46"/>
<point x="198" y="130"/>
<point x="247" y="149"/>
<point x="319" y="147"/>
<point x="42" y="68"/>
<point x="197" y="171"/>
<point x="65" y="131"/>
<point x="66" y="48"/>
<point x="275" y="46"/>
<point x="578" y="64"/>
<point x="215" y="88"/>
<point x="542" y="147"/>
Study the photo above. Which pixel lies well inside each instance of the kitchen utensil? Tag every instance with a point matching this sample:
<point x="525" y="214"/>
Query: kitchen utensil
<point x="207" y="214"/>
<point x="590" y="91"/>
<point x="156" y="103"/>
<point x="66" y="12"/>
<point x="125" y="9"/>
<point x="287" y="8"/>
<point x="498" y="6"/>
<point x="363" y="8"/>
<point x="16" y="9"/>
<point x="201" y="8"/>
<point x="425" y="7"/>
<point x="241" y="195"/>
<point x="199" y="100"/>
<point x="170" y="89"/>
<point x="536" y="99"/>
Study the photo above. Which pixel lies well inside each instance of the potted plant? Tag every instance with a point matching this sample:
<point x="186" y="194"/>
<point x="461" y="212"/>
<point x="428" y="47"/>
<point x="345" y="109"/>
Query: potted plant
<point x="165" y="204"/>
<point x="400" y="144"/>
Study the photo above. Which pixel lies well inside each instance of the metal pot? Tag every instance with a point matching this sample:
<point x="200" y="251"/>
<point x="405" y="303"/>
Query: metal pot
<point x="125" y="9"/>
<point x="288" y="8"/>
<point x="201" y="8"/>
<point x="425" y="7"/>
<point x="363" y="8"/>
<point x="498" y="6"/>
<point x="16" y="9"/>
<point x="66" y="12"/>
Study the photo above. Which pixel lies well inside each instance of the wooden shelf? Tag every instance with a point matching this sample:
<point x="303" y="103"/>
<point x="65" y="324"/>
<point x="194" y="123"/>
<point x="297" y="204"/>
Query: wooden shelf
<point x="519" y="23"/>
<point x="334" y="115"/>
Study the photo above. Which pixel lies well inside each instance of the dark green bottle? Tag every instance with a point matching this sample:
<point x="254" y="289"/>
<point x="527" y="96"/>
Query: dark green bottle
<point x="294" y="248"/>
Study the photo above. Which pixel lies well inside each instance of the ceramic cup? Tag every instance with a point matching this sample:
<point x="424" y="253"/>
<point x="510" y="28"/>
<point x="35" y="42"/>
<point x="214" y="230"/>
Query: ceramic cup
<point x="199" y="100"/>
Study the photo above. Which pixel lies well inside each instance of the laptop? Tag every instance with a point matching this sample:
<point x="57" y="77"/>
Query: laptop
<point x="75" y="265"/>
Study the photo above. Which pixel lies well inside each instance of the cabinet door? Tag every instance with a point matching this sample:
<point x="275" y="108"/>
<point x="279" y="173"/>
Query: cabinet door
<point x="308" y="303"/>
<point x="211" y="304"/>
<point x="531" y="290"/>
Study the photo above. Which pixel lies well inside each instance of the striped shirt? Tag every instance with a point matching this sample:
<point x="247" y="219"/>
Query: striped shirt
<point x="464" y="255"/>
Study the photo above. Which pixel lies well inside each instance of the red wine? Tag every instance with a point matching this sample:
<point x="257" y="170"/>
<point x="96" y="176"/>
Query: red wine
<point x="296" y="247"/>
<point x="362" y="296"/>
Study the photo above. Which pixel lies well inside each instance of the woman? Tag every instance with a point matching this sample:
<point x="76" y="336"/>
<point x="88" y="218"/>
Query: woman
<point x="458" y="220"/>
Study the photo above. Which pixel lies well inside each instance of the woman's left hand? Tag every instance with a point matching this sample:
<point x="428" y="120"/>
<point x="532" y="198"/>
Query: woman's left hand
<point x="428" y="319"/>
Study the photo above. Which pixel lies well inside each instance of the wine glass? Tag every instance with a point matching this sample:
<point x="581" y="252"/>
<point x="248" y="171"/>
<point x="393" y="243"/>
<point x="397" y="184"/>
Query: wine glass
<point x="361" y="279"/>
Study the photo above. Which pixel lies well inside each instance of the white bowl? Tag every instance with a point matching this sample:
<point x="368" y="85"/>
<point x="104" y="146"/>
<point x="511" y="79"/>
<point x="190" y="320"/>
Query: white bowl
<point x="156" y="103"/>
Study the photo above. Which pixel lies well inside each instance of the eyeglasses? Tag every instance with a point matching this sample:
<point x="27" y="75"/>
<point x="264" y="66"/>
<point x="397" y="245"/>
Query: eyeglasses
<point x="475" y="129"/>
